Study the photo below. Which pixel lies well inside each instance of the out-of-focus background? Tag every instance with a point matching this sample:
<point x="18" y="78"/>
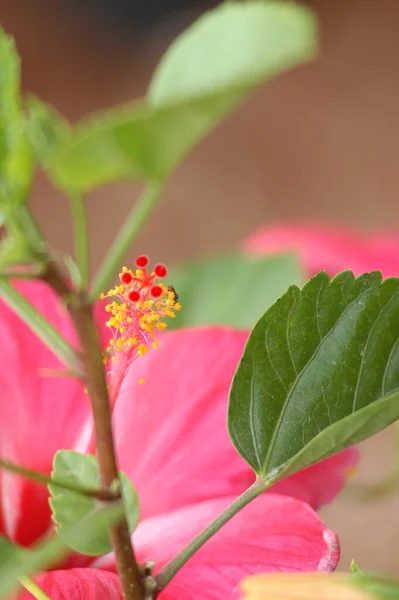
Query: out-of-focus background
<point x="317" y="143"/>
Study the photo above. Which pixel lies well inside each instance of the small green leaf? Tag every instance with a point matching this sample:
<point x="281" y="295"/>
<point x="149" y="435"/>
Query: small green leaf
<point x="16" y="160"/>
<point x="47" y="130"/>
<point x="15" y="250"/>
<point x="68" y="507"/>
<point x="203" y="76"/>
<point x="320" y="372"/>
<point x="232" y="290"/>
<point x="354" y="569"/>
<point x="15" y="562"/>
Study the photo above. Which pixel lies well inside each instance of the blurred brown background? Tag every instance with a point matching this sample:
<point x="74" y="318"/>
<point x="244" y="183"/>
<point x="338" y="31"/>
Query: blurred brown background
<point x="319" y="142"/>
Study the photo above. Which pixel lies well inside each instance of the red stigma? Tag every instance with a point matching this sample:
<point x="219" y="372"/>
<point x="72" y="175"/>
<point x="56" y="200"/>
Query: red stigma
<point x="156" y="291"/>
<point x="126" y="278"/>
<point x="134" y="296"/>
<point x="160" y="270"/>
<point x="142" y="261"/>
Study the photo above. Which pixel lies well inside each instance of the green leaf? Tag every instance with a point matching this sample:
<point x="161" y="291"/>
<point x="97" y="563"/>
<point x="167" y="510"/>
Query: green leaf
<point x="375" y="587"/>
<point x="320" y="372"/>
<point x="16" y="160"/>
<point x="234" y="47"/>
<point x="16" y="562"/>
<point x="232" y="290"/>
<point x="354" y="569"/>
<point x="15" y="250"/>
<point x="203" y="76"/>
<point x="47" y="130"/>
<point x="68" y="507"/>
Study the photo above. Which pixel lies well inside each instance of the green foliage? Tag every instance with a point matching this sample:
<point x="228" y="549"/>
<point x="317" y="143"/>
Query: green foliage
<point x="354" y="569"/>
<point x="232" y="290"/>
<point x="319" y="373"/>
<point x="375" y="588"/>
<point x="47" y="130"/>
<point x="15" y="562"/>
<point x="205" y="73"/>
<point x="68" y="507"/>
<point x="16" y="160"/>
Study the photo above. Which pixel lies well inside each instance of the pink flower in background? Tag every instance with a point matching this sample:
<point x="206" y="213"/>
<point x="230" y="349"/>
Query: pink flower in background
<point x="330" y="248"/>
<point x="172" y="442"/>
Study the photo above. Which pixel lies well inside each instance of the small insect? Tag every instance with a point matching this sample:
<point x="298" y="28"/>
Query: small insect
<point x="170" y="288"/>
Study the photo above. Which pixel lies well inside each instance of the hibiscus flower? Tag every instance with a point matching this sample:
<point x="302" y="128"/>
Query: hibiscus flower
<point x="173" y="444"/>
<point x="330" y="248"/>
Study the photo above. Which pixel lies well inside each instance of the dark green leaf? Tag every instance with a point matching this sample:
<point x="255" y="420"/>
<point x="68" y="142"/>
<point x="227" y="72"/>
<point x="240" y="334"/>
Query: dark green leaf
<point x="68" y="507"/>
<point x="16" y="161"/>
<point x="233" y="290"/>
<point x="46" y="129"/>
<point x="16" y="562"/>
<point x="319" y="373"/>
<point x="205" y="73"/>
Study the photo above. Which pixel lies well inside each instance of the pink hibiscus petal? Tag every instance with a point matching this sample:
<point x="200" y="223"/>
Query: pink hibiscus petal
<point x="78" y="584"/>
<point x="38" y="414"/>
<point x="273" y="533"/>
<point x="328" y="247"/>
<point x="174" y="427"/>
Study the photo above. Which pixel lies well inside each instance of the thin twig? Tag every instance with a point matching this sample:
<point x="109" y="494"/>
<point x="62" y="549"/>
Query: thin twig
<point x="81" y="312"/>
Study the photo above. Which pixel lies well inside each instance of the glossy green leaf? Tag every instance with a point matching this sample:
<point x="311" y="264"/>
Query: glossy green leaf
<point x="16" y="160"/>
<point x="16" y="562"/>
<point x="47" y="130"/>
<point x="68" y="507"/>
<point x="205" y="73"/>
<point x="232" y="290"/>
<point x="319" y="373"/>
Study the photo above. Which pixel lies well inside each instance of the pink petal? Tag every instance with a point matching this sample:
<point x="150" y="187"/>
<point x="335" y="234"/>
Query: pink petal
<point x="38" y="414"/>
<point x="319" y="484"/>
<point x="78" y="584"/>
<point x="273" y="533"/>
<point x="173" y="429"/>
<point x="329" y="247"/>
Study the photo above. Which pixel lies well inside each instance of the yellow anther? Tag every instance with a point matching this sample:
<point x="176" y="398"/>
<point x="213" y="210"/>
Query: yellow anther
<point x="141" y="381"/>
<point x="161" y="325"/>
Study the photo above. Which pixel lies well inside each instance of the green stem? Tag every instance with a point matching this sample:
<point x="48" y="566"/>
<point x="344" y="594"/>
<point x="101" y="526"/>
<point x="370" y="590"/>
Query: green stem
<point x="134" y="222"/>
<point x="22" y="274"/>
<point x="103" y="495"/>
<point x="33" y="588"/>
<point x="172" y="567"/>
<point x="31" y="230"/>
<point x="39" y="325"/>
<point x="81" y="239"/>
